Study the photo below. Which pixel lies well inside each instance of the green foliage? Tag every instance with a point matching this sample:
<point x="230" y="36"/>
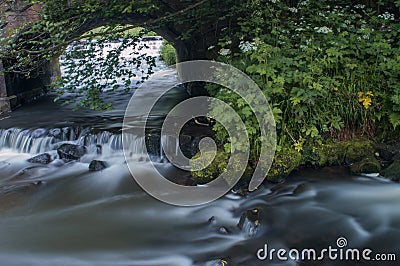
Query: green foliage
<point x="328" y="69"/>
<point x="28" y="49"/>
<point x="93" y="67"/>
<point x="168" y="53"/>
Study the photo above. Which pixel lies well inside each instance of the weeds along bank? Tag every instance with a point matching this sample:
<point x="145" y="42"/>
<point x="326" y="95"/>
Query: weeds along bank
<point x="330" y="71"/>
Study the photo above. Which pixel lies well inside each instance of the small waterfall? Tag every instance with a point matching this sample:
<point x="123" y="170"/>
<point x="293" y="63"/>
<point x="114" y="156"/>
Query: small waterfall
<point x="37" y="141"/>
<point x="26" y="141"/>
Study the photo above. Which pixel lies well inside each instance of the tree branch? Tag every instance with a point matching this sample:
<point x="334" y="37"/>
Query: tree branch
<point x="149" y="23"/>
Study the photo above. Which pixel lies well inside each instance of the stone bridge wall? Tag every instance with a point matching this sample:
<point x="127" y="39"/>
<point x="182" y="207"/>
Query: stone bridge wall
<point x="15" y="89"/>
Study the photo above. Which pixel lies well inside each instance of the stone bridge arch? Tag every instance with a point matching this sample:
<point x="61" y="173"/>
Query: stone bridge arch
<point x="15" y="89"/>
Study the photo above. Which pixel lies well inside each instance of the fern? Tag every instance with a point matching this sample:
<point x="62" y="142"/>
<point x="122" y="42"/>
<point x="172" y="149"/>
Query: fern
<point x="394" y="119"/>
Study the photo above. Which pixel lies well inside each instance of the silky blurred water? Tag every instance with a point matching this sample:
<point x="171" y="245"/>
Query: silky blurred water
<point x="63" y="214"/>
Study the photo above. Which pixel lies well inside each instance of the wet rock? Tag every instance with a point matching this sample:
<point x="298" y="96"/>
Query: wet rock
<point x="194" y="146"/>
<point x="185" y="142"/>
<point x="249" y="222"/>
<point x="99" y="149"/>
<point x="55" y="132"/>
<point x="37" y="133"/>
<point x="213" y="170"/>
<point x="241" y="189"/>
<point x="385" y="152"/>
<point x="71" y="151"/>
<point x="153" y="144"/>
<point x="368" y="165"/>
<point x="44" y="158"/>
<point x="96" y="165"/>
<point x="223" y="230"/>
<point x="393" y="171"/>
<point x="212" y="220"/>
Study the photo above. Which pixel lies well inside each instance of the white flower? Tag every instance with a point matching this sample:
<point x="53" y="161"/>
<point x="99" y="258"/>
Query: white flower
<point x="293" y="9"/>
<point x="359" y="6"/>
<point x="323" y="29"/>
<point x="387" y="16"/>
<point x="247" y="46"/>
<point x="273" y="1"/>
<point x="303" y="3"/>
<point x="224" y="52"/>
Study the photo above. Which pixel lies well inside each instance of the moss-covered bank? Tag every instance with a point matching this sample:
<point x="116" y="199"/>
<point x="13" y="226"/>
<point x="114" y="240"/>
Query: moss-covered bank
<point x="360" y="155"/>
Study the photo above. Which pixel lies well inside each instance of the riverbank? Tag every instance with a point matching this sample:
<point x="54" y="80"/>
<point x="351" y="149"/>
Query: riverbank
<point x="361" y="156"/>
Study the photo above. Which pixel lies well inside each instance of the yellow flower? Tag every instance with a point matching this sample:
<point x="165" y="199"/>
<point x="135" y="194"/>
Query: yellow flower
<point x="366" y="99"/>
<point x="367" y="102"/>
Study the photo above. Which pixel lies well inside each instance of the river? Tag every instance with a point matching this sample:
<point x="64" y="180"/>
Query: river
<point x="63" y="214"/>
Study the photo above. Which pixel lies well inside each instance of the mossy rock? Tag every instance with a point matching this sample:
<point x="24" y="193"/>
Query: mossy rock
<point x="285" y="161"/>
<point x="337" y="153"/>
<point x="357" y="150"/>
<point x="393" y="171"/>
<point x="212" y="171"/>
<point x="324" y="154"/>
<point x="217" y="167"/>
<point x="368" y="165"/>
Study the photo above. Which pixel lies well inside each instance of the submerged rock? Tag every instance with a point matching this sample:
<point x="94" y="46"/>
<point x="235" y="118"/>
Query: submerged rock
<point x="212" y="220"/>
<point x="223" y="230"/>
<point x="393" y="171"/>
<point x="71" y="151"/>
<point x="44" y="158"/>
<point x="99" y="149"/>
<point x="96" y="165"/>
<point x="249" y="222"/>
<point x="367" y="165"/>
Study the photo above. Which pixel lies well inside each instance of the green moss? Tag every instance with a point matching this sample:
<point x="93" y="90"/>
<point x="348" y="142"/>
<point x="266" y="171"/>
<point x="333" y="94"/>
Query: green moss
<point x="217" y="167"/>
<point x="337" y="153"/>
<point x="393" y="171"/>
<point x="212" y="171"/>
<point x="366" y="166"/>
<point x="285" y="161"/>
<point x="359" y="154"/>
<point x="324" y="154"/>
<point x="357" y="150"/>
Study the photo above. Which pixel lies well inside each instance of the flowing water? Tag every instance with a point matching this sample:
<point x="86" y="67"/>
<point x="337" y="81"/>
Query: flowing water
<point x="63" y="214"/>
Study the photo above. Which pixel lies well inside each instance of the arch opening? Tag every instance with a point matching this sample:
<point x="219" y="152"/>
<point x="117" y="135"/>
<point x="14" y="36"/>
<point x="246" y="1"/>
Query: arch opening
<point x="99" y="63"/>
